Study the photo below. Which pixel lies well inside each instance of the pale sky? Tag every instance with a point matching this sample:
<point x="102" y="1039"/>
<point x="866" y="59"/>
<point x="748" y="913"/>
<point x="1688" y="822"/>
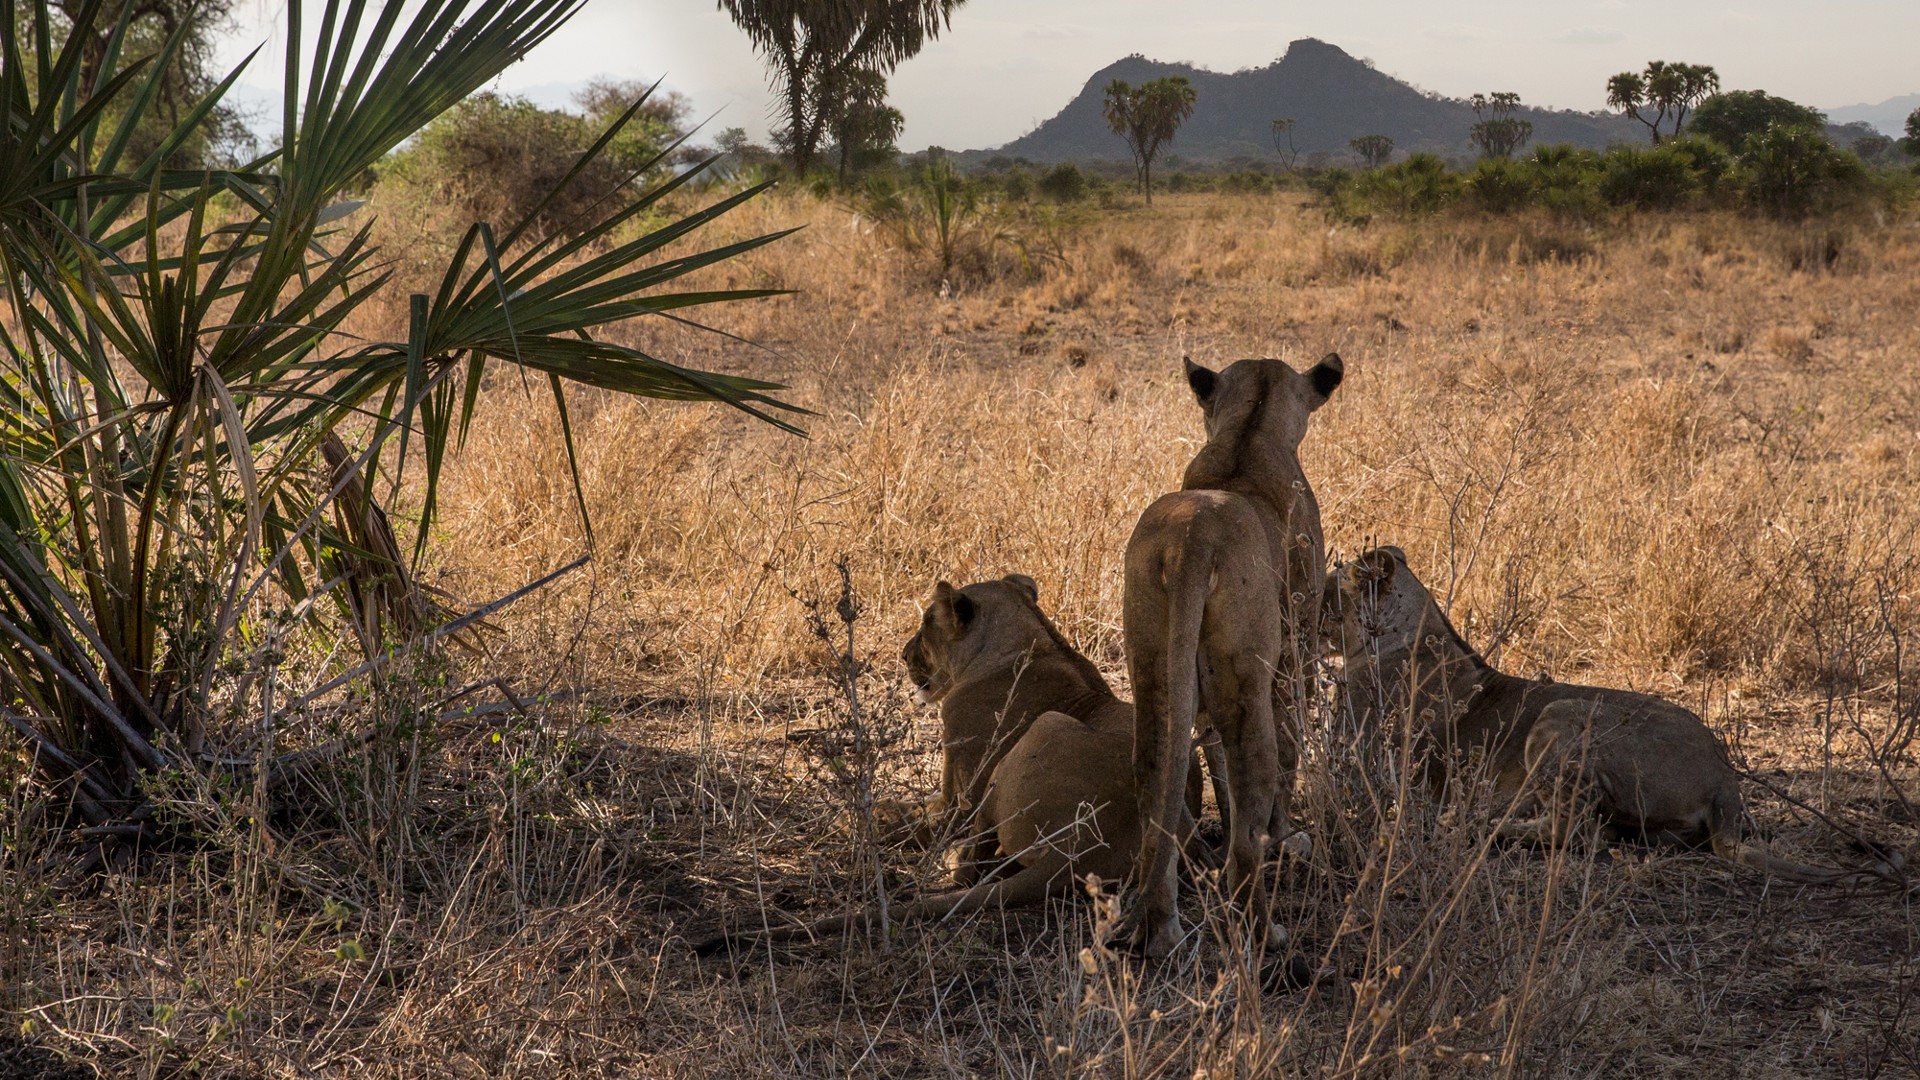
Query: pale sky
<point x="1006" y="65"/>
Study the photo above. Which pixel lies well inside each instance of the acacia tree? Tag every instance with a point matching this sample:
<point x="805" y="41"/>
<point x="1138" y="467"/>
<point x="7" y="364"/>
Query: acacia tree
<point x="1283" y="142"/>
<point x="1374" y="150"/>
<point x="1147" y="116"/>
<point x="1661" y="93"/>
<point x="1911" y="144"/>
<point x="812" y="47"/>
<point x="1499" y="133"/>
<point x="1730" y="117"/>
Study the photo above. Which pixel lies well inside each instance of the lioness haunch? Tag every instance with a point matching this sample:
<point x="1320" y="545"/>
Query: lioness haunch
<point x="1642" y="765"/>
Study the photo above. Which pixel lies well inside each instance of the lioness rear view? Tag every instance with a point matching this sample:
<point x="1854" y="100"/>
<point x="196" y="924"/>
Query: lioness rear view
<point x="1042" y="747"/>
<point x="1221" y="607"/>
<point x="1642" y="765"/>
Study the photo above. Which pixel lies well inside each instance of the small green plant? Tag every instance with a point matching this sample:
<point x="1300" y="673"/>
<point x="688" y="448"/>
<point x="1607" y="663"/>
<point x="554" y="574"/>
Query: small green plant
<point x="949" y="218"/>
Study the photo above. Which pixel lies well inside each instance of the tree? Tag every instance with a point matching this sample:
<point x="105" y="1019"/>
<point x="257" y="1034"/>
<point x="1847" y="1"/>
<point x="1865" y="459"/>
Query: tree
<point x="179" y="506"/>
<point x="1374" y="150"/>
<point x="223" y="137"/>
<point x="1730" y="117"/>
<point x="1874" y="149"/>
<point x="1283" y="143"/>
<point x="1663" y="92"/>
<point x="1911" y="144"/>
<point x="1499" y="133"/>
<point x="1147" y="116"/>
<point x="811" y="47"/>
<point x="863" y="125"/>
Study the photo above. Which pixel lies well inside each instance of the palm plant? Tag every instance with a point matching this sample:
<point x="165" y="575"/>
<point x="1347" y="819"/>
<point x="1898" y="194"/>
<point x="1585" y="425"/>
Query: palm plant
<point x="176" y="368"/>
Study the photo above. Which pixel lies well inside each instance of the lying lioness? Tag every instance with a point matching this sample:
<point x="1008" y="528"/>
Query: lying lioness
<point x="1050" y="744"/>
<point x="1643" y="765"/>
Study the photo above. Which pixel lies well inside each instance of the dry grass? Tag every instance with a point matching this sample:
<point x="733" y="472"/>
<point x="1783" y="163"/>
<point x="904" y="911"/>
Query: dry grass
<point x="1673" y="454"/>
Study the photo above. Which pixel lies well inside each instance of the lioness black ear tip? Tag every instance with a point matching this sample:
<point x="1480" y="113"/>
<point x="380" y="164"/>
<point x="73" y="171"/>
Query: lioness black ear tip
<point x="1326" y="375"/>
<point x="1201" y="379"/>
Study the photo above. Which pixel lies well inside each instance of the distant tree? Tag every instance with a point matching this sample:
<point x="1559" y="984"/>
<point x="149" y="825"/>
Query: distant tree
<point x="1063" y="183"/>
<point x="1499" y="133"/>
<point x="1911" y="144"/>
<point x="812" y="46"/>
<point x="1147" y="116"/>
<point x="1663" y="92"/>
<point x="863" y="125"/>
<point x="1283" y="143"/>
<point x="1730" y="117"/>
<point x="740" y="150"/>
<point x="1874" y="149"/>
<point x="1374" y="150"/>
<point x="221" y="139"/>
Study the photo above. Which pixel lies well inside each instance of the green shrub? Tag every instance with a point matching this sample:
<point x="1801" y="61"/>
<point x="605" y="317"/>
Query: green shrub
<point x="1422" y="184"/>
<point x="1647" y="178"/>
<point x="1017" y="185"/>
<point x="1499" y="186"/>
<point x="1064" y="183"/>
<point x="1565" y="179"/>
<point x="1794" y="171"/>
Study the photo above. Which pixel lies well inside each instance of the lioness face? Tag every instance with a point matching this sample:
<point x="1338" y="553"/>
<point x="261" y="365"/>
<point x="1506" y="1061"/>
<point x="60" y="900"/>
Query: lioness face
<point x="1373" y="604"/>
<point x="1263" y="394"/>
<point x="958" y="624"/>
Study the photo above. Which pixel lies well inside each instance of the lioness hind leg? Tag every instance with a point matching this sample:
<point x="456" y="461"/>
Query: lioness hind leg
<point x="1555" y="781"/>
<point x="1243" y="700"/>
<point x="1150" y="922"/>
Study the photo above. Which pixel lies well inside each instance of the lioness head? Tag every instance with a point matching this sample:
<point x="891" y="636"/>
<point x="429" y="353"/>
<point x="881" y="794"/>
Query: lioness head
<point x="1373" y="604"/>
<point x="959" y="625"/>
<point x="1263" y="395"/>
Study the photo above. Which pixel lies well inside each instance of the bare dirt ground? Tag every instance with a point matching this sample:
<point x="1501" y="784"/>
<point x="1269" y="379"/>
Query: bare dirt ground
<point x="1680" y="454"/>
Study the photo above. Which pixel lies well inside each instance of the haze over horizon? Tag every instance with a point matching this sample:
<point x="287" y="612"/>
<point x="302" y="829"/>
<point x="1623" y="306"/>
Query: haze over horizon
<point x="1006" y="65"/>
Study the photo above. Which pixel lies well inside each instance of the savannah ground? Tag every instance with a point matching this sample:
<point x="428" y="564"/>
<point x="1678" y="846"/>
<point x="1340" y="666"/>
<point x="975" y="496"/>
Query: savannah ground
<point x="1673" y="453"/>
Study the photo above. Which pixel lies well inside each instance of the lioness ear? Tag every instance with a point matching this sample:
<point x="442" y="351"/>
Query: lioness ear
<point x="963" y="609"/>
<point x="1201" y="379"/>
<point x="1377" y="565"/>
<point x="1326" y="376"/>
<point x="1025" y="584"/>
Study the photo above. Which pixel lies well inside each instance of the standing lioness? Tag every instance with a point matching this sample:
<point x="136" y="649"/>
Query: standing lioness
<point x="1642" y="765"/>
<point x="1222" y="596"/>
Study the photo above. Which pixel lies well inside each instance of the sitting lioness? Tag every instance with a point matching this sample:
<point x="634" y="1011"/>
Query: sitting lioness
<point x="1050" y="742"/>
<point x="1221" y="613"/>
<point x="1641" y="764"/>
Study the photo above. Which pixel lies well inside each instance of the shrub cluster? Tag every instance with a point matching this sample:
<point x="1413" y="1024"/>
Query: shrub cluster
<point x="498" y="157"/>
<point x="1782" y="171"/>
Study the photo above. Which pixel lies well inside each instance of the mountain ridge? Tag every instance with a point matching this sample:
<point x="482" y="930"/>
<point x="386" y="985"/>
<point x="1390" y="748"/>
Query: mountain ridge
<point x="1331" y="96"/>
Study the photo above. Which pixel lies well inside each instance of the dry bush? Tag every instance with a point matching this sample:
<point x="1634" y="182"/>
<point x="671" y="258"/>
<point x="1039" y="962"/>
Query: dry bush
<point x="1619" y="466"/>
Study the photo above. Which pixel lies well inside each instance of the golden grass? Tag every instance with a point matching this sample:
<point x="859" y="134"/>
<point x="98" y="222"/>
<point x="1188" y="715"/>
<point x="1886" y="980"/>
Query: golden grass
<point x="1654" y="454"/>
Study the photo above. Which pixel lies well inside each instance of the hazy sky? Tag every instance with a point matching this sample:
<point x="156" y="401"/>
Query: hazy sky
<point x="1006" y="65"/>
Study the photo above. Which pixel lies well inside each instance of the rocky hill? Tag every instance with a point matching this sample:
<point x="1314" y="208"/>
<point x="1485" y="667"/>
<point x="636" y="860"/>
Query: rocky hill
<point x="1332" y="97"/>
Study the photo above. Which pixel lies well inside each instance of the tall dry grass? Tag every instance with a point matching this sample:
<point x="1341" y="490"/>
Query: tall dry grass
<point x="1674" y="453"/>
